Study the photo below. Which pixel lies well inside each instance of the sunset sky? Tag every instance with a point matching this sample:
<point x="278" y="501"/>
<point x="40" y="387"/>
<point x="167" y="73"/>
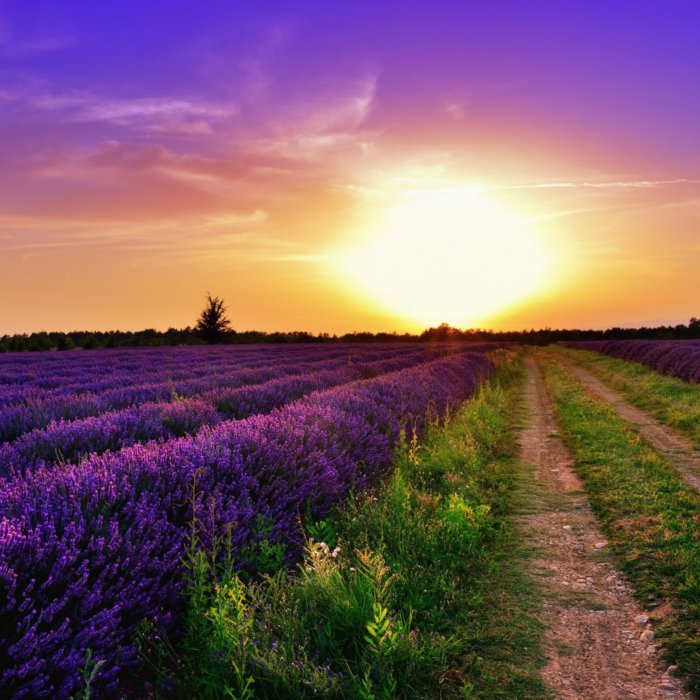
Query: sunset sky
<point x="339" y="166"/>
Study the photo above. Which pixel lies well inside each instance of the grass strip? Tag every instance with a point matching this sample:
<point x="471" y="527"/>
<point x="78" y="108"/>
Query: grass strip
<point x="671" y="401"/>
<point x="415" y="590"/>
<point x="651" y="517"/>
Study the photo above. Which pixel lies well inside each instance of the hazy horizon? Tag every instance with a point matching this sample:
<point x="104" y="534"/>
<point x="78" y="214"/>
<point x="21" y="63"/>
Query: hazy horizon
<point x="162" y="329"/>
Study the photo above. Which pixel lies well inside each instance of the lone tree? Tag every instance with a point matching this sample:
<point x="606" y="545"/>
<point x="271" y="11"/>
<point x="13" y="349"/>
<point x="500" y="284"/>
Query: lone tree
<point x="212" y="324"/>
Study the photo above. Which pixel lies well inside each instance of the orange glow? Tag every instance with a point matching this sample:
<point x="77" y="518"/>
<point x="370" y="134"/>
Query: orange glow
<point x="450" y="254"/>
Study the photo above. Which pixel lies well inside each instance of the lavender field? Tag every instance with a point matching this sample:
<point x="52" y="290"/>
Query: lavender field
<point x="107" y="457"/>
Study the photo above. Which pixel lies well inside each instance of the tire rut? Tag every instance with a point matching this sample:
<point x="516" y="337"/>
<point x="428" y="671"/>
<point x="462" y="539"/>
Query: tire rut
<point x="675" y="448"/>
<point x="599" y="644"/>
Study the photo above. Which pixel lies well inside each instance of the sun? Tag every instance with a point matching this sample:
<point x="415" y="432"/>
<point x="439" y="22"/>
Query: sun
<point x="453" y="255"/>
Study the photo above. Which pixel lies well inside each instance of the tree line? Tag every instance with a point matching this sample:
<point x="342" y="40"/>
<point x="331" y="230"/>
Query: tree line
<point x="214" y="326"/>
<point x="190" y="336"/>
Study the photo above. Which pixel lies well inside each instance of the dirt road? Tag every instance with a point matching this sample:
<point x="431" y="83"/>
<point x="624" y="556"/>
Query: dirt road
<point x="599" y="643"/>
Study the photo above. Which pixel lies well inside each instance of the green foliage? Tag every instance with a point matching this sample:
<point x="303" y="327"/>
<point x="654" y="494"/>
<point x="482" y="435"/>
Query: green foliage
<point x="176" y="396"/>
<point x="322" y="531"/>
<point x="263" y="555"/>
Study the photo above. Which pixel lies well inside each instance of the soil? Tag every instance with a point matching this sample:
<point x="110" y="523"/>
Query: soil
<point x="676" y="449"/>
<point x="596" y="649"/>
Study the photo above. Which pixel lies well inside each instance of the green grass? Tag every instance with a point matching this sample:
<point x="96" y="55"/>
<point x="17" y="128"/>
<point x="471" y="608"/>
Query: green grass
<point x="651" y="517"/>
<point x="672" y="401"/>
<point x="416" y="590"/>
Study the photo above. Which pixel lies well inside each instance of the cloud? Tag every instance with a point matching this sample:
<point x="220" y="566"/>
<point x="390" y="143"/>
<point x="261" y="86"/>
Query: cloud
<point x="129" y="183"/>
<point x="114" y="159"/>
<point x="341" y="112"/>
<point x="193" y="128"/>
<point x="256" y="72"/>
<point x="241" y="187"/>
<point x="246" y="67"/>
<point x="690" y="203"/>
<point x="315" y="127"/>
<point x="212" y="231"/>
<point x="571" y="212"/>
<point x="163" y="114"/>
<point x="615" y="185"/>
<point x="114" y="153"/>
<point x="45" y="44"/>
<point x="148" y="109"/>
<point x="457" y="110"/>
<point x="34" y="43"/>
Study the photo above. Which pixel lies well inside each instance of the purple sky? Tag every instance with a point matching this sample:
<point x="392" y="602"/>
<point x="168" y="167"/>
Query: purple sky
<point x="151" y="152"/>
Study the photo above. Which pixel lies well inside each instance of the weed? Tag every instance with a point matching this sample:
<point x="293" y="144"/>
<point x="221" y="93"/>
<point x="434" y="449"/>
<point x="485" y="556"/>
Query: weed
<point x="322" y="531"/>
<point x="89" y="674"/>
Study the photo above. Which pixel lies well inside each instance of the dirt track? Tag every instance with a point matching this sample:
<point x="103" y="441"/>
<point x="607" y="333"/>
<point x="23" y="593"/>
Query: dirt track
<point x="596" y="649"/>
<point x="674" y="447"/>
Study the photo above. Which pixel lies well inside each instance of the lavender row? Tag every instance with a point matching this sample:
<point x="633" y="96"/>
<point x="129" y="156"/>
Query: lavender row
<point x="43" y="366"/>
<point x="69" y="441"/>
<point x="15" y="420"/>
<point x="88" y="552"/>
<point x="19" y="419"/>
<point x="96" y="379"/>
<point x="678" y="358"/>
<point x="46" y="371"/>
<point x="51" y="369"/>
<point x="100" y="378"/>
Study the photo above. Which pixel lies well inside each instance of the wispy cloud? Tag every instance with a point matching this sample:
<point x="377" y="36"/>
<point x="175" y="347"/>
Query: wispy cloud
<point x="37" y="43"/>
<point x="219" y="231"/>
<point x="324" y="124"/>
<point x="151" y="113"/>
<point x="257" y="76"/>
<point x="457" y="110"/>
<point x="17" y="44"/>
<point x="459" y="106"/>
<point x="571" y="212"/>
<point x="614" y="184"/>
<point x="43" y="44"/>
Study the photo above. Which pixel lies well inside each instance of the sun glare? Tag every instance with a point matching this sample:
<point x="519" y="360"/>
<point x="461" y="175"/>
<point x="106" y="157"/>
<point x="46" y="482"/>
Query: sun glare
<point x="452" y="255"/>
